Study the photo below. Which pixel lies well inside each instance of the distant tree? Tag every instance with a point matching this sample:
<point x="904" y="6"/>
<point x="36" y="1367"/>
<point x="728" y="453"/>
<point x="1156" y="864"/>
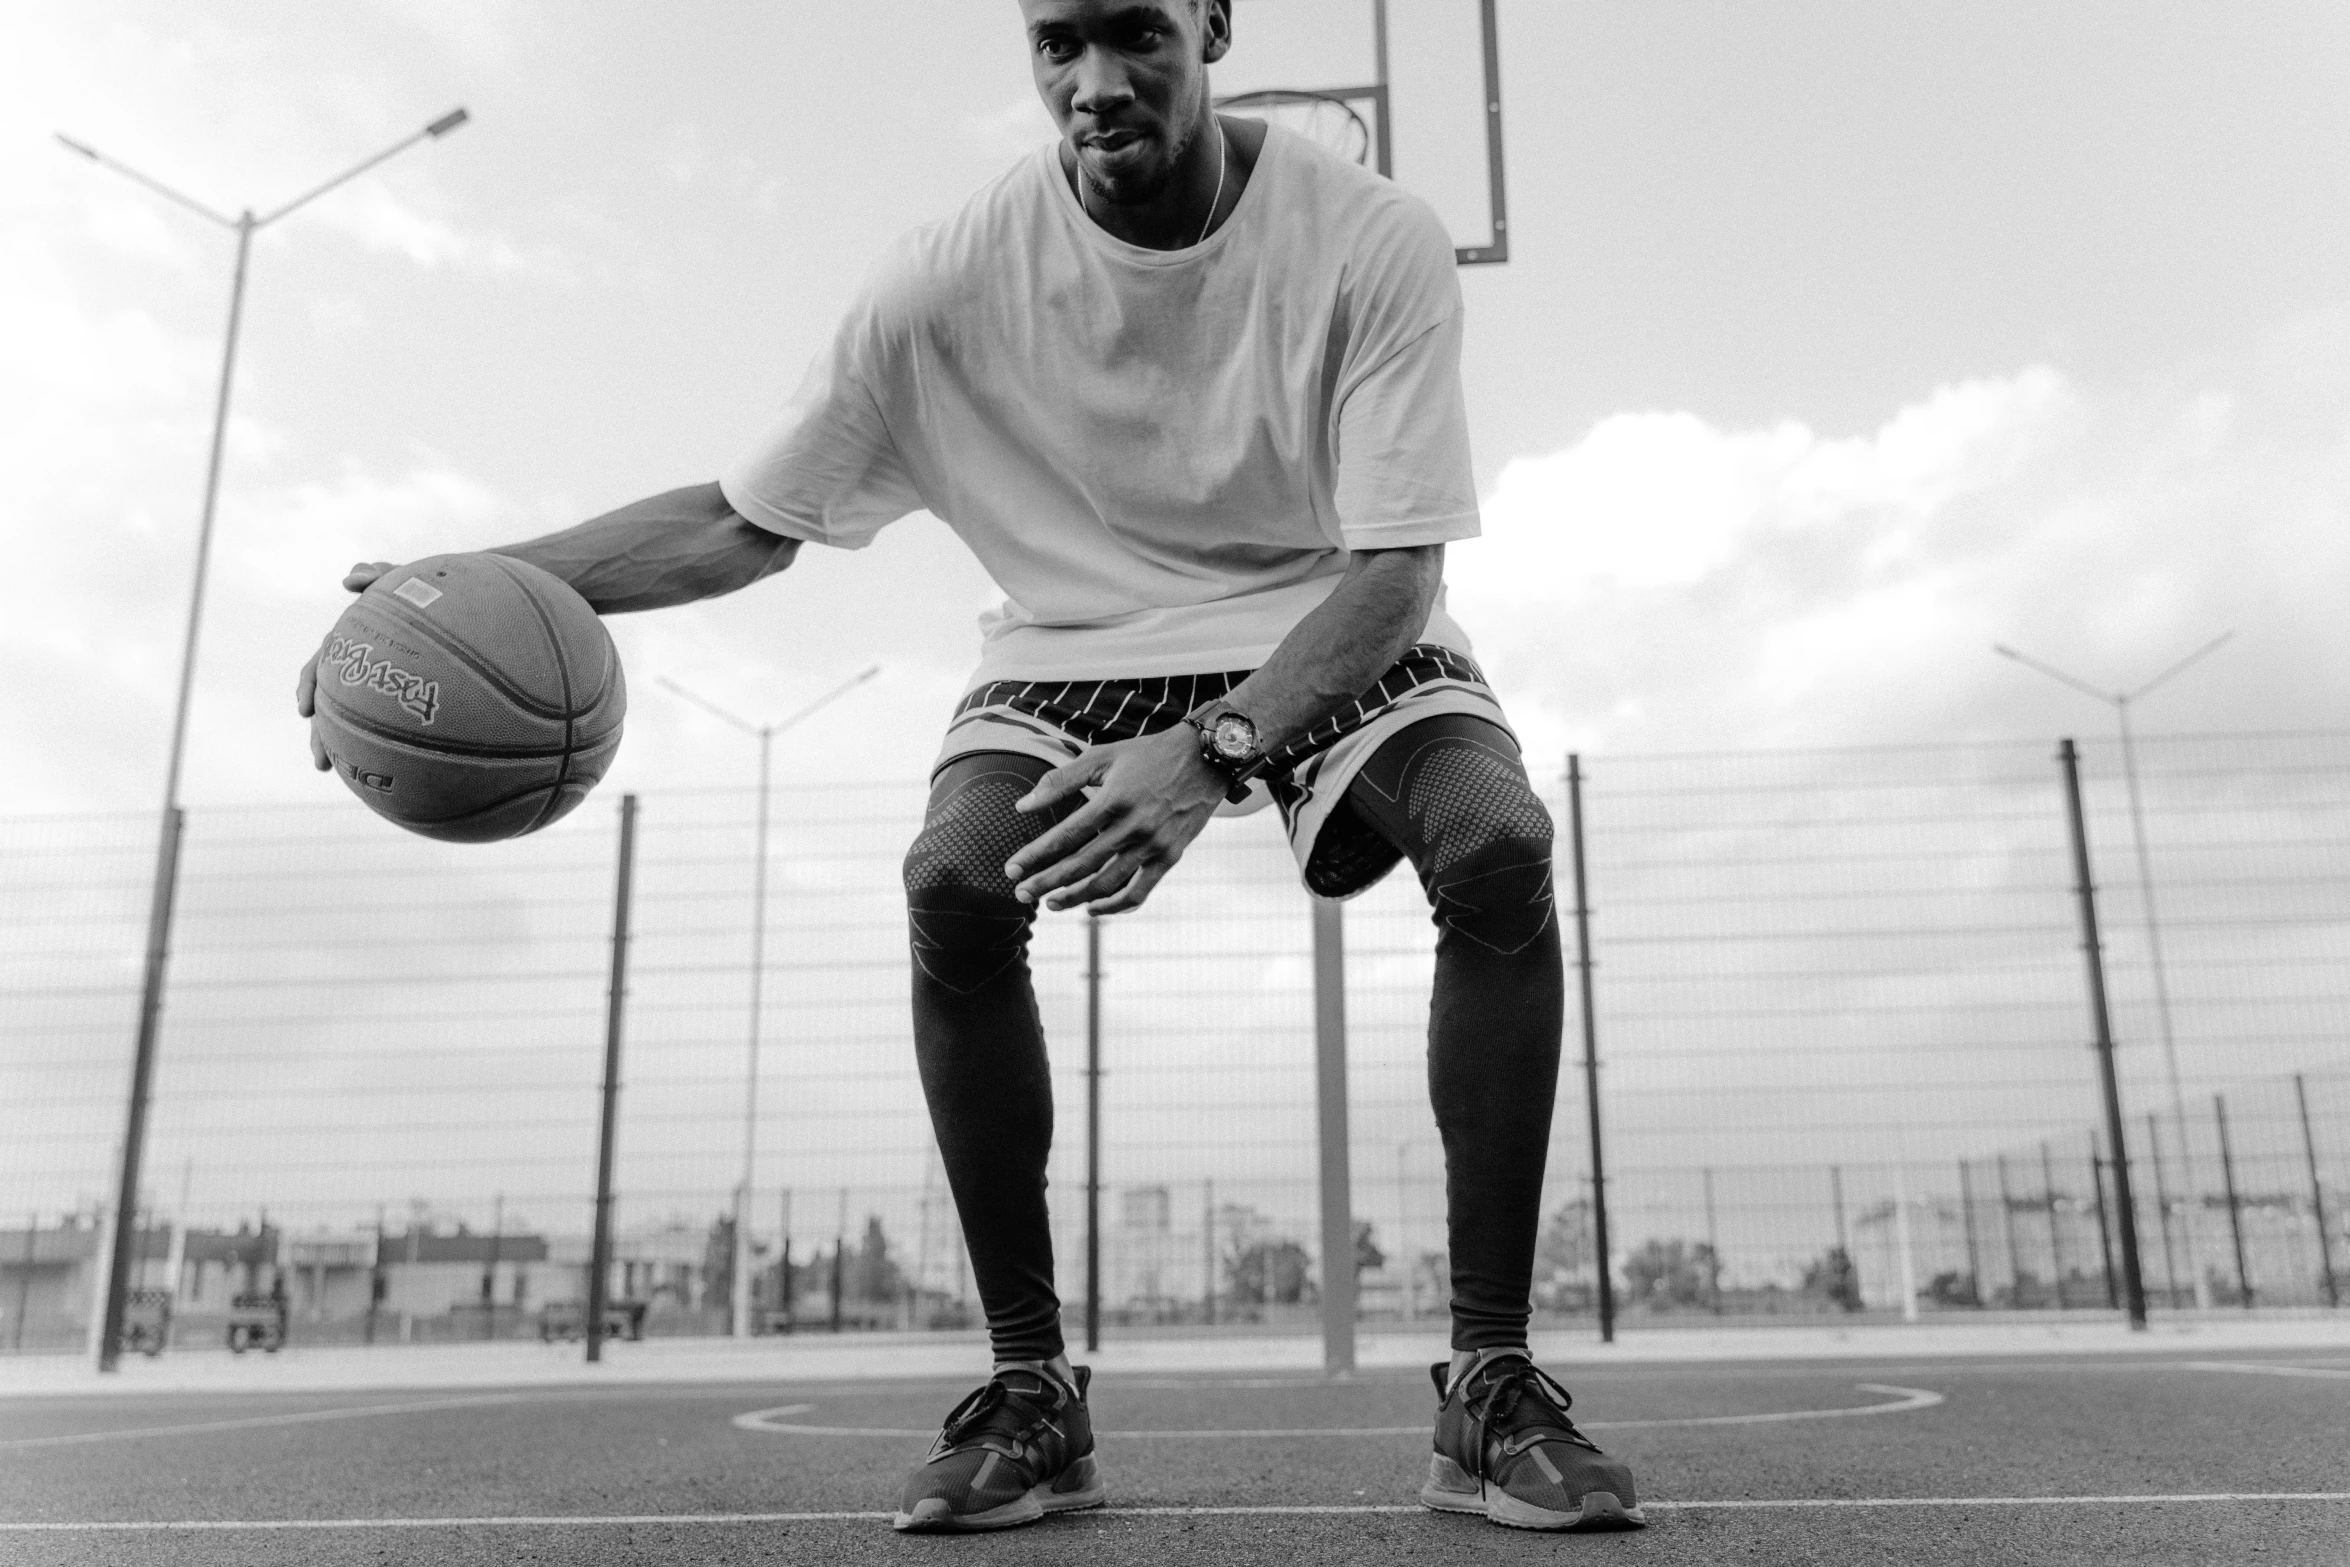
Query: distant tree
<point x="718" y="1260"/>
<point x="872" y="1273"/>
<point x="1565" y="1246"/>
<point x="2024" y="1292"/>
<point x="1367" y="1252"/>
<point x="1833" y="1278"/>
<point x="1953" y="1288"/>
<point x="1669" y="1273"/>
<point x="1270" y="1272"/>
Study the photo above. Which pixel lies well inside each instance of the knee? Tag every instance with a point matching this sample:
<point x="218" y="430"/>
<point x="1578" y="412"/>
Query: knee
<point x="965" y="925"/>
<point x="946" y="872"/>
<point x="957" y="861"/>
<point x="1487" y="867"/>
<point x="1497" y="894"/>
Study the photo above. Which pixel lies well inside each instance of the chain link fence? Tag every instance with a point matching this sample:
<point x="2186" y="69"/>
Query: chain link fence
<point x="1840" y="1012"/>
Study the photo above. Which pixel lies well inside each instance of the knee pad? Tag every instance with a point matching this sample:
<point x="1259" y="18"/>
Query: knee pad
<point x="965" y="924"/>
<point x="1486" y="856"/>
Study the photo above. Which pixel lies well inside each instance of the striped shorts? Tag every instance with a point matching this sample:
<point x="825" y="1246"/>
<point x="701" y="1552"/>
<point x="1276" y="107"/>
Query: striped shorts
<point x="1057" y="720"/>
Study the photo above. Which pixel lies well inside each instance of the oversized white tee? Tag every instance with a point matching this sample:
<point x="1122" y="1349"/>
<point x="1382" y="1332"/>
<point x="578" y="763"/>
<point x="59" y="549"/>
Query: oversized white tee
<point x="1162" y="458"/>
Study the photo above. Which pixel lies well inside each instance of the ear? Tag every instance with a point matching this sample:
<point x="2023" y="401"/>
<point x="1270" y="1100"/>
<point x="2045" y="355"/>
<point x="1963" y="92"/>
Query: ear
<point x="1215" y="30"/>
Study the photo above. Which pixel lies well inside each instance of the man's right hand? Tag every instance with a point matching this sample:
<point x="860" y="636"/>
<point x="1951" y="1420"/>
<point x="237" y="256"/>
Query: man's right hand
<point x="358" y="579"/>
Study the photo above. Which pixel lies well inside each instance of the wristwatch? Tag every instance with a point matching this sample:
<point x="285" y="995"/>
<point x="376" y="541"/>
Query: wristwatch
<point x="1228" y="742"/>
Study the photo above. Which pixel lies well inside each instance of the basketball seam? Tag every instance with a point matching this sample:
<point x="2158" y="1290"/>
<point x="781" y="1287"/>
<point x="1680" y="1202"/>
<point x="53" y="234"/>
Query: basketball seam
<point x="473" y="659"/>
<point x="475" y="813"/>
<point x="441" y="746"/>
<point x="563" y="673"/>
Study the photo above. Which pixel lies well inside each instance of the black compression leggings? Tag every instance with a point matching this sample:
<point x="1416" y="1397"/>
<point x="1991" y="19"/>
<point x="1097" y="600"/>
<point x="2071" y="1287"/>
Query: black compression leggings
<point x="1451" y="795"/>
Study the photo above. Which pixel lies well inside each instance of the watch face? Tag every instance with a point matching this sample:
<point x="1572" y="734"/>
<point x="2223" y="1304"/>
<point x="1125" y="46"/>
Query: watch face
<point x="1234" y="738"/>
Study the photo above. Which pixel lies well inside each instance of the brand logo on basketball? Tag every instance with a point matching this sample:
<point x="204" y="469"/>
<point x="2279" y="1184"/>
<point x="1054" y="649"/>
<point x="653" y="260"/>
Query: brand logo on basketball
<point x="355" y="664"/>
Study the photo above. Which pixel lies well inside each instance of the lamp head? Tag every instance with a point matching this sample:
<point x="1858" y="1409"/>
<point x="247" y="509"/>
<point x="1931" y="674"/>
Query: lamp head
<point x="447" y="123"/>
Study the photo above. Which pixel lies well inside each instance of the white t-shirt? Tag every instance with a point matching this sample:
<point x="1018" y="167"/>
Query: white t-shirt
<point x="1161" y="457"/>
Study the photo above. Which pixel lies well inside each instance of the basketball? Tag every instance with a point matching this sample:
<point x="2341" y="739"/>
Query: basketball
<point x="470" y="698"/>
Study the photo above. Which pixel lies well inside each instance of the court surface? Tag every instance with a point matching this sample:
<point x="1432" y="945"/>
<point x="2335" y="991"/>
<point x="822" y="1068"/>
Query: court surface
<point x="2076" y="1458"/>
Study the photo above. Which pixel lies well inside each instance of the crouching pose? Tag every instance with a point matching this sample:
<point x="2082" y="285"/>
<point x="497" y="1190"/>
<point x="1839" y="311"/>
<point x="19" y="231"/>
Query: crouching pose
<point x="1189" y="388"/>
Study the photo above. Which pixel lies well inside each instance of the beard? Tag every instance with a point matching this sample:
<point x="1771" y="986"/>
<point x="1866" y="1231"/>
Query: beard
<point x="1140" y="187"/>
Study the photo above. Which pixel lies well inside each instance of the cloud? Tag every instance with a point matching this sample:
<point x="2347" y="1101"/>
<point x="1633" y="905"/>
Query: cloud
<point x="1664" y="584"/>
<point x="382" y="221"/>
<point x="1019" y="125"/>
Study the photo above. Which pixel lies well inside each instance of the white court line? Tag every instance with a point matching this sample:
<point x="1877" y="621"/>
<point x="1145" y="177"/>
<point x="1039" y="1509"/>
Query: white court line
<point x="2261" y="1368"/>
<point x="737" y="1520"/>
<point x="774" y="1422"/>
<point x="251" y="1422"/>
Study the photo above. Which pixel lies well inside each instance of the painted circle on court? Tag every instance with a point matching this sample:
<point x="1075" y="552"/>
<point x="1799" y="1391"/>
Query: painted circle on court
<point x="780" y="1421"/>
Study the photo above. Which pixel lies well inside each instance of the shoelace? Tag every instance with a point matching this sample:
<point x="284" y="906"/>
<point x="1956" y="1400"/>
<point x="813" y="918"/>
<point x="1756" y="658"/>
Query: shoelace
<point x="993" y="1410"/>
<point x="1516" y="1396"/>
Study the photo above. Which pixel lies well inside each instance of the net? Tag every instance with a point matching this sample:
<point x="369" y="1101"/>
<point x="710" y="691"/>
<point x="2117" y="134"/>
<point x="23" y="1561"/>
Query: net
<point x="1323" y="118"/>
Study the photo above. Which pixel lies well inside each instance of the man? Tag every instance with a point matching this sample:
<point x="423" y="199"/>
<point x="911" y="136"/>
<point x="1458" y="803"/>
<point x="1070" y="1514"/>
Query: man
<point x="1189" y="388"/>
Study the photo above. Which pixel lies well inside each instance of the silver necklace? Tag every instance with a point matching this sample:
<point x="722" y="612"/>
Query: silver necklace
<point x="1222" y="151"/>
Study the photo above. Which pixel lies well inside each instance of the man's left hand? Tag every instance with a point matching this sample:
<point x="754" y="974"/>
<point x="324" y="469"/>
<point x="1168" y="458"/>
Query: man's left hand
<point x="1153" y="795"/>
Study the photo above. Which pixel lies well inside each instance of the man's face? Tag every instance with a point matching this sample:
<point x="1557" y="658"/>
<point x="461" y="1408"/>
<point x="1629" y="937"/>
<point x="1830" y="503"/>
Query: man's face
<point x="1126" y="82"/>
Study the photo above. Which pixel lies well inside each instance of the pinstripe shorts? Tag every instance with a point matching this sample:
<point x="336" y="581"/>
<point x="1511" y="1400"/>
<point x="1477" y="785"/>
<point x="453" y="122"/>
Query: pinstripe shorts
<point x="1056" y="720"/>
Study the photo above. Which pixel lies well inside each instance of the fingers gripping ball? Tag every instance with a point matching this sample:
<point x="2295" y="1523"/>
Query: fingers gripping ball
<point x="470" y="698"/>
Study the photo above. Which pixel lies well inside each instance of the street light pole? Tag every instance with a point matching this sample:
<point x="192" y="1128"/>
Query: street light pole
<point x="162" y="897"/>
<point x="739" y="1302"/>
<point x="2120" y="701"/>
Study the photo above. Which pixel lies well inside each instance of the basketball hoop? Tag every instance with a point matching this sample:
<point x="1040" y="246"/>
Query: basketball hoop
<point x="1326" y="119"/>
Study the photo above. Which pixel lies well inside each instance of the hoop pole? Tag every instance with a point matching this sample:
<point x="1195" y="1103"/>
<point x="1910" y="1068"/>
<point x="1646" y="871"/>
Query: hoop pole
<point x="1338" y="1229"/>
<point x="616" y="1005"/>
<point x="1599" y="1239"/>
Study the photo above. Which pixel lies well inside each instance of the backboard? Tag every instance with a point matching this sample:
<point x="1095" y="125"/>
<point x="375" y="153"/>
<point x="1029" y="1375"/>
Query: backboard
<point x="1411" y="88"/>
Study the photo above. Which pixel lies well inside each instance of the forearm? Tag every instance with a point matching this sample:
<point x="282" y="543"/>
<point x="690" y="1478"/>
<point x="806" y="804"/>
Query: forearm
<point x="1352" y="638"/>
<point x="666" y="549"/>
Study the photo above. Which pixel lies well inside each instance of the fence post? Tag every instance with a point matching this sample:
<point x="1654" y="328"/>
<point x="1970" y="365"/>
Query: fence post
<point x="2227" y="1171"/>
<point x="24" y="1283"/>
<point x="2317" y="1197"/>
<point x="375" y="1276"/>
<point x="1207" y="1272"/>
<point x="1966" y="1219"/>
<point x="1599" y="1237"/>
<point x="1713" y="1248"/>
<point x="2055" y="1236"/>
<point x="2093" y="958"/>
<point x="1093" y="1132"/>
<point x="134" y="1132"/>
<point x="1905" y="1252"/>
<point x="840" y="1258"/>
<point x="615" y="1010"/>
<point x="2113" y="1293"/>
<point x="1338" y="1228"/>
<point x="2170" y="1267"/>
<point x="2015" y="1256"/>
<point x="783" y="1295"/>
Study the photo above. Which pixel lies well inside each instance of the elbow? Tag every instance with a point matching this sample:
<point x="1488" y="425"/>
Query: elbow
<point x="1421" y="577"/>
<point x="785" y="551"/>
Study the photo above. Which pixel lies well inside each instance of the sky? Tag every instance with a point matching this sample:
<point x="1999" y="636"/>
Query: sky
<point x="1837" y="344"/>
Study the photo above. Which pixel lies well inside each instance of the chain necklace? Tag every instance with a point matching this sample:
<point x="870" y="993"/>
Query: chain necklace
<point x="1223" y="150"/>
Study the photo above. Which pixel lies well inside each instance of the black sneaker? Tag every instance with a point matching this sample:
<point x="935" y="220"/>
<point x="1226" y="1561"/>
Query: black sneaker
<point x="1506" y="1449"/>
<point x="1015" y="1450"/>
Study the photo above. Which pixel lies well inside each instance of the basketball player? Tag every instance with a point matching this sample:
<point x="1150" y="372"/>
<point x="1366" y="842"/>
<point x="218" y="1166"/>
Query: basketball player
<point x="1189" y="387"/>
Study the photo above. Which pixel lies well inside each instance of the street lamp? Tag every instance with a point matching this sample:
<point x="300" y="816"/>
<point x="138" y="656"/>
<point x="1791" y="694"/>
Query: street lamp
<point x="159" y="910"/>
<point x="2120" y="702"/>
<point x="739" y="1309"/>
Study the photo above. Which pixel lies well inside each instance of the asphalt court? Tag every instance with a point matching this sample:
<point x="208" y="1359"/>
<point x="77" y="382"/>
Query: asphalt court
<point x="2077" y="1459"/>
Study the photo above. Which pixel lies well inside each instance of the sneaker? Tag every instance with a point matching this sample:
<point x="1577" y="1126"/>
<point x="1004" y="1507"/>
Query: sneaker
<point x="1015" y="1450"/>
<point x="1505" y="1448"/>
